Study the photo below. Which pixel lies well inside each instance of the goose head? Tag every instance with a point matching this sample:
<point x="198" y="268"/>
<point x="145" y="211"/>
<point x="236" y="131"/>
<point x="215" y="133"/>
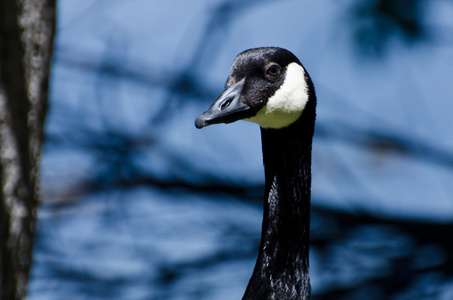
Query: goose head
<point x="268" y="86"/>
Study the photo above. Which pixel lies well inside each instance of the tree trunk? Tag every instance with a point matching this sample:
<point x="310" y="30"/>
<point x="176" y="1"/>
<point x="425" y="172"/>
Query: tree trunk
<point x="27" y="28"/>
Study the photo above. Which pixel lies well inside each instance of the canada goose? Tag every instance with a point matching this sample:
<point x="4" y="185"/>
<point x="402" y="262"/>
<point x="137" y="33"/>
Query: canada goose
<point x="269" y="86"/>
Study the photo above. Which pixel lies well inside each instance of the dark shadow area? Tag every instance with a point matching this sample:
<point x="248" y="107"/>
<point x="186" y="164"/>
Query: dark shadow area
<point x="378" y="23"/>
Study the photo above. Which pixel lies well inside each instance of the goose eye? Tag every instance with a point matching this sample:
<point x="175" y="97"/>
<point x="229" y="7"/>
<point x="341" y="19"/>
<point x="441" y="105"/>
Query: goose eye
<point x="273" y="70"/>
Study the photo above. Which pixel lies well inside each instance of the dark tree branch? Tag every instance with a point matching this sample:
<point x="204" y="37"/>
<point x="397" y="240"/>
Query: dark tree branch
<point x="26" y="40"/>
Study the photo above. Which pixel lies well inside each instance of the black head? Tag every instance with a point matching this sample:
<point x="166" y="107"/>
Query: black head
<point x="268" y="86"/>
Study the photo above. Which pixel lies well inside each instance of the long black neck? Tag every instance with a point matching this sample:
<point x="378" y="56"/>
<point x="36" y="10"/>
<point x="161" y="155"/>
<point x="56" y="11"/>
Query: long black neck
<point x="281" y="270"/>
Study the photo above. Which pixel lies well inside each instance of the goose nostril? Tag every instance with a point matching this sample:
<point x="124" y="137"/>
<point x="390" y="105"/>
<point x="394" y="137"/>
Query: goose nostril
<point x="226" y="103"/>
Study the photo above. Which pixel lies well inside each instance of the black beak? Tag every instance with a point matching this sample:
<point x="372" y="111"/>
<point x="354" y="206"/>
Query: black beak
<point x="226" y="109"/>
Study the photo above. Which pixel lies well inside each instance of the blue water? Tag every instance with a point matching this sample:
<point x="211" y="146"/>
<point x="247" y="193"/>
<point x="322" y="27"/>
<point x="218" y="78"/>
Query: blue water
<point x="145" y="243"/>
<point x="138" y="204"/>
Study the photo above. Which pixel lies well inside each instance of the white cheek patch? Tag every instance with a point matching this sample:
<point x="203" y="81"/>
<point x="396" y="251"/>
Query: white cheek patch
<point x="288" y="102"/>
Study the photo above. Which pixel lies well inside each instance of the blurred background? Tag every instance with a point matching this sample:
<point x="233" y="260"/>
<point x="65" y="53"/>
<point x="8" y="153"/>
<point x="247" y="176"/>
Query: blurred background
<point x="138" y="204"/>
